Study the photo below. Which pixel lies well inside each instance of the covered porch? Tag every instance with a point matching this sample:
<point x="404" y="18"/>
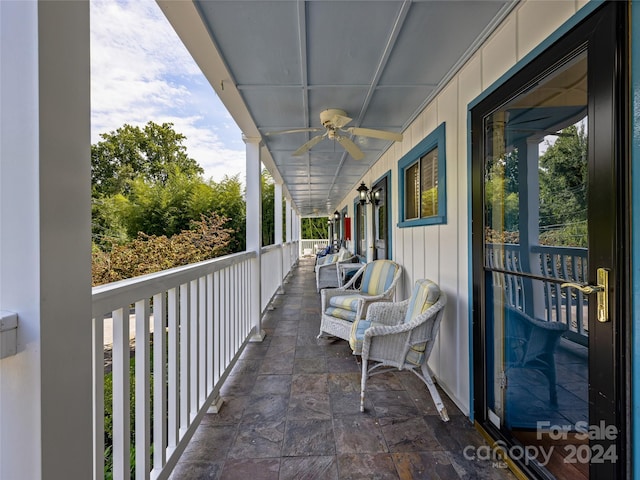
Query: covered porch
<point x="237" y="385"/>
<point x="291" y="411"/>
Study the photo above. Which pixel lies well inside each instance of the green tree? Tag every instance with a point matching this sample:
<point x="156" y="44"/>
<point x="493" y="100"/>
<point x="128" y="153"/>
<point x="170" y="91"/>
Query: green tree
<point x="501" y="192"/>
<point x="164" y="209"/>
<point x="133" y="152"/>
<point x="563" y="194"/>
<point x="227" y="199"/>
<point x="108" y="225"/>
<point x="314" y="227"/>
<point x="268" y="208"/>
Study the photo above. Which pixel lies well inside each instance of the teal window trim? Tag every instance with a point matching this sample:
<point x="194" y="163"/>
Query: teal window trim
<point x="435" y="139"/>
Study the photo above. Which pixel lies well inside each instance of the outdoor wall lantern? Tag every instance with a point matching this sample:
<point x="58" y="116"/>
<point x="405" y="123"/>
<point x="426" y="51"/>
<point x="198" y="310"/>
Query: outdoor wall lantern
<point x="366" y="196"/>
<point x="336" y="215"/>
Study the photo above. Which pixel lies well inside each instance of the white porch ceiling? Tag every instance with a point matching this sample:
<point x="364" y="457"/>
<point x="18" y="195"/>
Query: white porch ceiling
<point x="277" y="64"/>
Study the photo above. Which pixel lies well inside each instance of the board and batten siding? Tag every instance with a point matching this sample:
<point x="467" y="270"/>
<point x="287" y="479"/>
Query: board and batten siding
<point x="441" y="252"/>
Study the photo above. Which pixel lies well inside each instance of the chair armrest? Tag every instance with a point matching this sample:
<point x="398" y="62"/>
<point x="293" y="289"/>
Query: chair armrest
<point x="357" y="275"/>
<point x="386" y="296"/>
<point x="326" y="265"/>
<point x="327" y="294"/>
<point x="347" y="260"/>
<point x="432" y="311"/>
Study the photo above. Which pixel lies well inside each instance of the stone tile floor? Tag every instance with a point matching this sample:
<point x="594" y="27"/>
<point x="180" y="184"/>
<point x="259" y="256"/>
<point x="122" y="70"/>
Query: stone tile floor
<point x="291" y="412"/>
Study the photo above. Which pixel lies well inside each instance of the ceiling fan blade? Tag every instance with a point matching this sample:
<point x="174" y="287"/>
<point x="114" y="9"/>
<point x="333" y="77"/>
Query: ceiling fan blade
<point x="351" y="147"/>
<point x="370" y="132"/>
<point x="295" y="130"/>
<point x="308" y="145"/>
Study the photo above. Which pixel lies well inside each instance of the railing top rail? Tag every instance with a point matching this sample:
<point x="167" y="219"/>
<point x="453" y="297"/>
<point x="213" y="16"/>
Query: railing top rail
<point x="579" y="251"/>
<point x="111" y="296"/>
<point x="572" y="251"/>
<point x="269" y="248"/>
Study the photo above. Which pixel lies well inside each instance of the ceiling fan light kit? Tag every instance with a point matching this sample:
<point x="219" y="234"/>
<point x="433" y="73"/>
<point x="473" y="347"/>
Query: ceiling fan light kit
<point x="333" y="120"/>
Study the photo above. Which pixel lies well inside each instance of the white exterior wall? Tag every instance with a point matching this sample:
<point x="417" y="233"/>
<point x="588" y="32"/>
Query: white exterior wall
<point x="441" y="252"/>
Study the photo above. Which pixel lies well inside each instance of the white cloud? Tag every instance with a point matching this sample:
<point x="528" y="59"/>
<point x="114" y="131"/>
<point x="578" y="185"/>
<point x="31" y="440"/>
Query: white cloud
<point x="141" y="72"/>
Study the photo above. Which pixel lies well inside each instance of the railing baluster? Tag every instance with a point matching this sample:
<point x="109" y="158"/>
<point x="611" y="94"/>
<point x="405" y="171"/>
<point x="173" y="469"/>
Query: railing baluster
<point x="202" y="340"/>
<point x="234" y="308"/>
<point x="217" y="333"/>
<point x="121" y="407"/>
<point x="185" y="343"/>
<point x="227" y="317"/>
<point x="173" y="377"/>
<point x="193" y="349"/>
<point x="209" y="343"/>
<point x="159" y="374"/>
<point x="245" y="288"/>
<point x="143" y="391"/>
<point x="98" y="398"/>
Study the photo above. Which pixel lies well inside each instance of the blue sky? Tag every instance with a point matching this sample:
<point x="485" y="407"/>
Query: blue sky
<point x="140" y="71"/>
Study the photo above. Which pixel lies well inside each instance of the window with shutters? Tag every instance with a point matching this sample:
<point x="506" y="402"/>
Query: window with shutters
<point x="422" y="182"/>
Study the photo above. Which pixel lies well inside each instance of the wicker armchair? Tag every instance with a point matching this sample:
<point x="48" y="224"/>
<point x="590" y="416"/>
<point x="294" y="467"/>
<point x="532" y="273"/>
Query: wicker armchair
<point x="327" y="270"/>
<point x="344" y="305"/>
<point x="531" y="343"/>
<point x="401" y="336"/>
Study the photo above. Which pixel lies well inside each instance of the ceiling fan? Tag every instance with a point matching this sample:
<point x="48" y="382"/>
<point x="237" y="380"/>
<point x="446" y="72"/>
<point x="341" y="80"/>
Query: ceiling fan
<point x="333" y="122"/>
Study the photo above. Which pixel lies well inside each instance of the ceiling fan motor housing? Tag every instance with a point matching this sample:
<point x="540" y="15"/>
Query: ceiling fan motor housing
<point x="329" y="118"/>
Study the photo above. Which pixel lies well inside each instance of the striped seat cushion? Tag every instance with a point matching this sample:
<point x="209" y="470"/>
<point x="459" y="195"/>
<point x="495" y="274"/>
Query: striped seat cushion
<point x="378" y="276"/>
<point x="425" y="294"/>
<point x="342" y="313"/>
<point x="415" y="356"/>
<point x="348" y="302"/>
<point x="357" y="334"/>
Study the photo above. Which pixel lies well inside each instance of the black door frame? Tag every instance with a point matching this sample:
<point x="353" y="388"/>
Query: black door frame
<point x="604" y="30"/>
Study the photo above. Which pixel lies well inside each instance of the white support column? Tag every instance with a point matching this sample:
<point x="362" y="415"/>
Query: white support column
<point x="254" y="231"/>
<point x="295" y="229"/>
<point x="529" y="231"/>
<point x="277" y="207"/>
<point x="288" y="221"/>
<point x="277" y="222"/>
<point x="45" y="244"/>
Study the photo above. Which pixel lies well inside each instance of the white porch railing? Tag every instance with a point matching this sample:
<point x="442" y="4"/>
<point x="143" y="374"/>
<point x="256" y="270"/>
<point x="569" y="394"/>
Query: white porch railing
<point x="309" y="246"/>
<point x="200" y="318"/>
<point x="270" y="273"/>
<point x="549" y="267"/>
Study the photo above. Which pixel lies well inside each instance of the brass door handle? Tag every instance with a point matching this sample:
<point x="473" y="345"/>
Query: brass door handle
<point x="587" y="289"/>
<point x="602" y="289"/>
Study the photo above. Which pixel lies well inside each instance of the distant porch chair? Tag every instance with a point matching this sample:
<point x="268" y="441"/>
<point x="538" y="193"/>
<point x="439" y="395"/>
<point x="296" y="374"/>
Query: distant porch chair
<point x="328" y="268"/>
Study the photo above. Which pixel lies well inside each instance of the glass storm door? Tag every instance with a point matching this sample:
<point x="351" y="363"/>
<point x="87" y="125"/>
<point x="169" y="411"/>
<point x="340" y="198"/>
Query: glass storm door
<point x="545" y="260"/>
